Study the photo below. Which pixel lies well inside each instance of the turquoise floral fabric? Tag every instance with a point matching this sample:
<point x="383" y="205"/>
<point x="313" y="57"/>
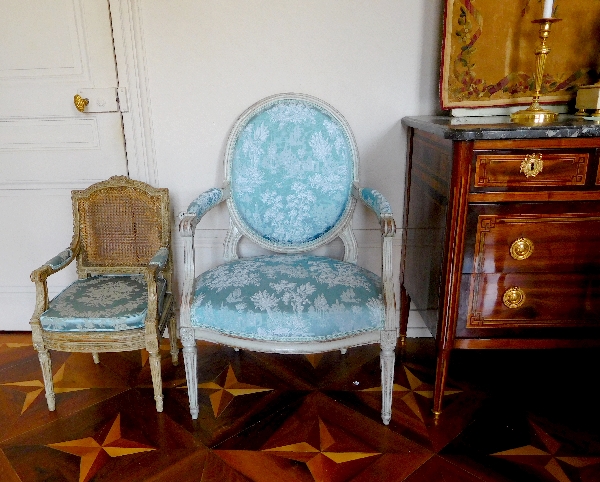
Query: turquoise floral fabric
<point x="60" y="259"/>
<point x="101" y="303"/>
<point x="376" y="201"/>
<point x="205" y="201"/>
<point x="161" y="257"/>
<point x="291" y="173"/>
<point x="288" y="298"/>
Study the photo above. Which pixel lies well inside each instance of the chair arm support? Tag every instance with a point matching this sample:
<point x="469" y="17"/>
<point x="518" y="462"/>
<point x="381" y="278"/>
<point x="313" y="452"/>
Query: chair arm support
<point x="155" y="265"/>
<point x="40" y="275"/>
<point x="187" y="226"/>
<point x="375" y="201"/>
<point x="198" y="208"/>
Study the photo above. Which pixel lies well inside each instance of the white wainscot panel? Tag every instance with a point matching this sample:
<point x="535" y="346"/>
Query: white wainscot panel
<point x="40" y="38"/>
<point x="43" y="134"/>
<point x="37" y="225"/>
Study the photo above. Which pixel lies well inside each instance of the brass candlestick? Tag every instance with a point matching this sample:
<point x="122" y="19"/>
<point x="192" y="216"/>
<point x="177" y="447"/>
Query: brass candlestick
<point x="534" y="114"/>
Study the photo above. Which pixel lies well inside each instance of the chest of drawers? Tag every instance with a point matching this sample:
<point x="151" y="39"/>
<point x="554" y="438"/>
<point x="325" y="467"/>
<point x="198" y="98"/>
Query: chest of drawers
<point x="501" y="238"/>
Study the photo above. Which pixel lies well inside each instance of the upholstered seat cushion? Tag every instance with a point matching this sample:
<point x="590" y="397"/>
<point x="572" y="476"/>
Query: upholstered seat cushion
<point x="288" y="298"/>
<point x="101" y="303"/>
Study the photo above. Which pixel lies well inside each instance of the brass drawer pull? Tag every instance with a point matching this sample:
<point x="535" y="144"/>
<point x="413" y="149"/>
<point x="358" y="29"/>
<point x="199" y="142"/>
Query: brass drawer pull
<point x="521" y="249"/>
<point x="532" y="165"/>
<point x="513" y="297"/>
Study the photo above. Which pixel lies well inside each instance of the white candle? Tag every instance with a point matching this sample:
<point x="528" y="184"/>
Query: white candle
<point x="547" y="9"/>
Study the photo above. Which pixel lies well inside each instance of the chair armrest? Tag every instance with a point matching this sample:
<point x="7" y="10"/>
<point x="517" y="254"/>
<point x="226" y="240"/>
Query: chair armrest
<point x="158" y="263"/>
<point x="198" y="208"/>
<point x="40" y="275"/>
<point x="53" y="265"/>
<point x="187" y="225"/>
<point x="375" y="201"/>
<point x="161" y="258"/>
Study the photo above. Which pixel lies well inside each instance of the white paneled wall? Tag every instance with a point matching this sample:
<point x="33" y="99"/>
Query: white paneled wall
<point x="192" y="66"/>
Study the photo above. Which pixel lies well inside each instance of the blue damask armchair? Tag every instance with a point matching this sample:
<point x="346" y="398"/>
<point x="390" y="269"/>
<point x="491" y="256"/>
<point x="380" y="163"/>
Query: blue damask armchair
<point x="291" y="185"/>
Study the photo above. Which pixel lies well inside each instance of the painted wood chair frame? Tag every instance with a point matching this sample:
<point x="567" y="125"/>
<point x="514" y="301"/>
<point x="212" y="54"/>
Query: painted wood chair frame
<point x="386" y="333"/>
<point x="100" y="214"/>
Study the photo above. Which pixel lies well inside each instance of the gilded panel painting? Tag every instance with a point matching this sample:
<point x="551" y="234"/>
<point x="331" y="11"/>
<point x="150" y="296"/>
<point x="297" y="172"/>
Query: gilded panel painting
<point x="489" y="49"/>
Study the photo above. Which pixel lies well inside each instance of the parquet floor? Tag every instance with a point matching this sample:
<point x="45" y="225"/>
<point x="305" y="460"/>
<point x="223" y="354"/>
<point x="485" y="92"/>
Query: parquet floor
<point x="509" y="416"/>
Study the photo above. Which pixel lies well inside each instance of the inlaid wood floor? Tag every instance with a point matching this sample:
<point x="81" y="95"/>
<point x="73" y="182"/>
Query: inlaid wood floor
<point x="509" y="416"/>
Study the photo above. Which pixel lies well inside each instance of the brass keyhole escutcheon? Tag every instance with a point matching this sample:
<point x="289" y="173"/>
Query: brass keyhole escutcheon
<point x="532" y="165"/>
<point x="80" y="102"/>
<point x="521" y="249"/>
<point x="513" y="297"/>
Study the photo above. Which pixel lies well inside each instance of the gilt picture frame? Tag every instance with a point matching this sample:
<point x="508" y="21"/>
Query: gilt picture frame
<point x="488" y="52"/>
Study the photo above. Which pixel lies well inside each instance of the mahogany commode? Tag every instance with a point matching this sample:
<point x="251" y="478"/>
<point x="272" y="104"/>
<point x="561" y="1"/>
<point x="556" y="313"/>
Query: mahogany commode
<point x="501" y="238"/>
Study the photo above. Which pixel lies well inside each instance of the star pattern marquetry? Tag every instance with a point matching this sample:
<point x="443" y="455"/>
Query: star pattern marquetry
<point x="94" y="455"/>
<point x="322" y="448"/>
<point x="415" y="387"/>
<point x="15" y="345"/>
<point x="225" y="392"/>
<point x="547" y="453"/>
<point x="314" y="358"/>
<point x="33" y="388"/>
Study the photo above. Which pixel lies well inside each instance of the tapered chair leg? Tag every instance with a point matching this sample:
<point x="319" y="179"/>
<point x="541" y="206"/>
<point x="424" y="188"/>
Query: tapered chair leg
<point x="173" y="339"/>
<point x="156" y="379"/>
<point x="387" y="359"/>
<point x="190" y="355"/>
<point x="46" y="363"/>
<point x="153" y="348"/>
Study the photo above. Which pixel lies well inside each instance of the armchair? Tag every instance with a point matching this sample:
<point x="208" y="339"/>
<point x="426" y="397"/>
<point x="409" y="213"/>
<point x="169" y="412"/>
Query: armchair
<point x="122" y="300"/>
<point x="291" y="185"/>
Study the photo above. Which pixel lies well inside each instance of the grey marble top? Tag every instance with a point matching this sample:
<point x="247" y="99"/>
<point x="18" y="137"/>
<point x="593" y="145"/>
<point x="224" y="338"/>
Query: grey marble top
<point x="500" y="127"/>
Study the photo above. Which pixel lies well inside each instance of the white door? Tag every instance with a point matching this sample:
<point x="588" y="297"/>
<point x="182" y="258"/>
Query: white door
<point x="50" y="50"/>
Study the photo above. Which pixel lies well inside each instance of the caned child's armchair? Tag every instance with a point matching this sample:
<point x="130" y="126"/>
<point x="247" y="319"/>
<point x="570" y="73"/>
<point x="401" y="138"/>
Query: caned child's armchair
<point x="291" y="185"/>
<point x="122" y="298"/>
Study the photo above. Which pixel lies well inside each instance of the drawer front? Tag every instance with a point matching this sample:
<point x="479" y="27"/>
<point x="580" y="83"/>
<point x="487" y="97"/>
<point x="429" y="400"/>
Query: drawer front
<point x="525" y="300"/>
<point x="525" y="169"/>
<point x="536" y="243"/>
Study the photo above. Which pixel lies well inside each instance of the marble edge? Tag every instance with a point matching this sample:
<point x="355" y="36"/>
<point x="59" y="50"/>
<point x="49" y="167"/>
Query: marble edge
<point x="500" y="127"/>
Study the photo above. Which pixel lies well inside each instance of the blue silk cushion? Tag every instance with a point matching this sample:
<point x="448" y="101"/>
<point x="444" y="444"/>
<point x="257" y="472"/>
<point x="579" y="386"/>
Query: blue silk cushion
<point x="101" y="303"/>
<point x="288" y="298"/>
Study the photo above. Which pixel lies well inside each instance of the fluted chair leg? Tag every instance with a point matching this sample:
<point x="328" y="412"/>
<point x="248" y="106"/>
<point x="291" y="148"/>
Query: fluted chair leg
<point x="46" y="363"/>
<point x="387" y="359"/>
<point x="190" y="355"/>
<point x="156" y="379"/>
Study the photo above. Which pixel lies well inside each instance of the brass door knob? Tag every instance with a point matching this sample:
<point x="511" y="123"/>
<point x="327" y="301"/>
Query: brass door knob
<point x="532" y="165"/>
<point x="80" y="102"/>
<point x="513" y="297"/>
<point x="521" y="249"/>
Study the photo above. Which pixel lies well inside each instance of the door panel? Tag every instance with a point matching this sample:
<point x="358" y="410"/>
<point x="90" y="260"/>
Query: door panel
<point x="49" y="50"/>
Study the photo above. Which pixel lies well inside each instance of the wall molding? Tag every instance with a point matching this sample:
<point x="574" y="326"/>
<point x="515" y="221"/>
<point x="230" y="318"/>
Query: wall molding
<point x="43" y="188"/>
<point x="132" y="74"/>
<point x="37" y="133"/>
